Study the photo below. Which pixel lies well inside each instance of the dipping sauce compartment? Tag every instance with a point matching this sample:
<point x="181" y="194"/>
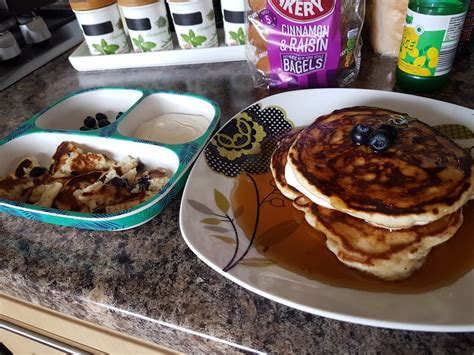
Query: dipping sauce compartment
<point x="176" y="119"/>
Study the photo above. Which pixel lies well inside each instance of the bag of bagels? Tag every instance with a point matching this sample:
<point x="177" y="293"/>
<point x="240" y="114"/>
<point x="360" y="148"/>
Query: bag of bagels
<point x="304" y="43"/>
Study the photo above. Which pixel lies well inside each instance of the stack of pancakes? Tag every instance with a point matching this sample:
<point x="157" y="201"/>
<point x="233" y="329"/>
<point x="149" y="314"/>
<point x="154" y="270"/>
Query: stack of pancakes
<point x="382" y="212"/>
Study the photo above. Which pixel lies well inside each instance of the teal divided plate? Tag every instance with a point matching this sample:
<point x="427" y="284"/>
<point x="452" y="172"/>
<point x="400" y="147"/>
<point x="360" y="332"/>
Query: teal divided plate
<point x="59" y="122"/>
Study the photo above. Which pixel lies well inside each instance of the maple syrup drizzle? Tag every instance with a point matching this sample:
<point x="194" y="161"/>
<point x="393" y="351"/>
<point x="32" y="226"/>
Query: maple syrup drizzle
<point x="297" y="247"/>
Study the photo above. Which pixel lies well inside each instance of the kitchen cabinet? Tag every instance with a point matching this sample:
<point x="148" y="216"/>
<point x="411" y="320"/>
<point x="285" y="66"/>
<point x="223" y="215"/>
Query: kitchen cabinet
<point x="26" y="328"/>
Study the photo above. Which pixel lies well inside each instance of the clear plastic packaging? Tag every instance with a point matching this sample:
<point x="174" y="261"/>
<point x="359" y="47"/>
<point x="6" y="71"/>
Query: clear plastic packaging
<point x="301" y="43"/>
<point x="386" y="19"/>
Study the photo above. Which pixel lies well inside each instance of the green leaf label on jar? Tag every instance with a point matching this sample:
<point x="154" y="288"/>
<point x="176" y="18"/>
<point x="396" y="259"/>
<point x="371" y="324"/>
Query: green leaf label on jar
<point x="239" y="36"/>
<point x="106" y="48"/>
<point x="211" y="15"/>
<point x="161" y="22"/>
<point x="142" y="45"/>
<point x="192" y="39"/>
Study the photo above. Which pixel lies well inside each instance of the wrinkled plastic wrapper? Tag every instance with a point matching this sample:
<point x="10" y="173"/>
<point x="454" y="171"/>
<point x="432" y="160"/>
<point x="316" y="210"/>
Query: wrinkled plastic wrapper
<point x="304" y="43"/>
<point x="386" y="19"/>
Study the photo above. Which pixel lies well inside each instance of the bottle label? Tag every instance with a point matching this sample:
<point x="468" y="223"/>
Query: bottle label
<point x="429" y="43"/>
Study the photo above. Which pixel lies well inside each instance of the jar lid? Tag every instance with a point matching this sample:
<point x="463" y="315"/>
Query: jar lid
<point x="84" y="5"/>
<point x="133" y="3"/>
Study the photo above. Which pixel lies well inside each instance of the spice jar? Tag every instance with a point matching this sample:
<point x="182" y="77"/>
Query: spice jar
<point x="102" y="26"/>
<point x="194" y="22"/>
<point x="235" y="27"/>
<point x="386" y="19"/>
<point x="147" y="24"/>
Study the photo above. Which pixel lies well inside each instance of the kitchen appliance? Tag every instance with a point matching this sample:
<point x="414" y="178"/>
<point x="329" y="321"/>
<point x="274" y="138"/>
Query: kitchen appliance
<point x="33" y="32"/>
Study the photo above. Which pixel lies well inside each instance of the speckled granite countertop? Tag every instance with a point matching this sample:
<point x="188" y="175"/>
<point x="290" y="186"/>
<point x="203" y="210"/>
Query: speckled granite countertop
<point x="146" y="282"/>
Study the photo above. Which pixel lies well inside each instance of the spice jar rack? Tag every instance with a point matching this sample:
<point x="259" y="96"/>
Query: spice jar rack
<point x="83" y="60"/>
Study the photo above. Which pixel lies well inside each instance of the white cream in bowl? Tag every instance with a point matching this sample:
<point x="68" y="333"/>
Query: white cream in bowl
<point x="173" y="128"/>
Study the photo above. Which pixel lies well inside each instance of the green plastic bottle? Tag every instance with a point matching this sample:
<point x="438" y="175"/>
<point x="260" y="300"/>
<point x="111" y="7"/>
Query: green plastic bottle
<point x="430" y="38"/>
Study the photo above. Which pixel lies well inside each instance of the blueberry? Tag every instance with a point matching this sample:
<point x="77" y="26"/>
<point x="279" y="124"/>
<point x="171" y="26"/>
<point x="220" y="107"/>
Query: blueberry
<point x="118" y="115"/>
<point x="103" y="123"/>
<point x="360" y="133"/>
<point x="391" y="130"/>
<point x="119" y="182"/>
<point x="84" y="128"/>
<point x="379" y="141"/>
<point x="144" y="182"/>
<point x="90" y="122"/>
<point x="100" y="116"/>
<point x="37" y="171"/>
<point x="144" y="178"/>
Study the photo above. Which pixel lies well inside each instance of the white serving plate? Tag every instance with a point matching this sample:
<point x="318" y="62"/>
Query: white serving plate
<point x="450" y="308"/>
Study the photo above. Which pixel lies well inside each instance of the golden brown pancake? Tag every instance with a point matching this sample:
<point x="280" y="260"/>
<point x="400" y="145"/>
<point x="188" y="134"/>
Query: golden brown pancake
<point x="83" y="182"/>
<point x="19" y="185"/>
<point x="43" y="195"/>
<point x="70" y="159"/>
<point x="12" y="188"/>
<point x="278" y="163"/>
<point x="65" y="199"/>
<point x="421" y="178"/>
<point x="390" y="255"/>
<point x="131" y="202"/>
<point x="99" y="195"/>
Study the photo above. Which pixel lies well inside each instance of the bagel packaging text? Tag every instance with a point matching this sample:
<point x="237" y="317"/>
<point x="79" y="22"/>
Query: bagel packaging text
<point x="304" y="43"/>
